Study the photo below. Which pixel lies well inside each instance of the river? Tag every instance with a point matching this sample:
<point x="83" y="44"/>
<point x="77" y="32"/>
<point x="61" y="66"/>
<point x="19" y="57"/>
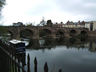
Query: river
<point x="70" y="55"/>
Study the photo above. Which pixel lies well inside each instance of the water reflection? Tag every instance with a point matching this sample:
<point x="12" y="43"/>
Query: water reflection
<point x="69" y="43"/>
<point x="70" y="55"/>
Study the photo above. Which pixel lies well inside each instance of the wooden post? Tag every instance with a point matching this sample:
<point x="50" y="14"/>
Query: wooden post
<point x="23" y="70"/>
<point x="35" y="65"/>
<point x="10" y="65"/>
<point x="60" y="70"/>
<point x="18" y="66"/>
<point x="28" y="63"/>
<point x="15" y="64"/>
<point x="45" y="67"/>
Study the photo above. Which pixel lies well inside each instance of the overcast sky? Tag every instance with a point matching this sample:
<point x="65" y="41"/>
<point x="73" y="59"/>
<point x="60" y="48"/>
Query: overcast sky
<point x="57" y="10"/>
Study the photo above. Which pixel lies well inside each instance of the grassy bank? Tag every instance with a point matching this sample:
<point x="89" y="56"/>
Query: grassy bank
<point x="3" y="30"/>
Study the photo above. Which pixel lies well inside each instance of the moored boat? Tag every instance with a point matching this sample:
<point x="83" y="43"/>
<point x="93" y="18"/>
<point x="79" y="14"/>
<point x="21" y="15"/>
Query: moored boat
<point x="19" y="46"/>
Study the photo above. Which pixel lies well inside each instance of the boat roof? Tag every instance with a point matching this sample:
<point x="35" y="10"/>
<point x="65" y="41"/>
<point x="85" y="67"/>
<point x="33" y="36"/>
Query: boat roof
<point x="14" y="41"/>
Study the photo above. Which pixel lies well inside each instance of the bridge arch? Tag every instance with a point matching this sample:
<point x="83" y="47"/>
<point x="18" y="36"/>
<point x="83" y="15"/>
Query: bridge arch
<point x="73" y="32"/>
<point x="83" y="33"/>
<point x="60" y="33"/>
<point x="26" y="33"/>
<point x="45" y="33"/>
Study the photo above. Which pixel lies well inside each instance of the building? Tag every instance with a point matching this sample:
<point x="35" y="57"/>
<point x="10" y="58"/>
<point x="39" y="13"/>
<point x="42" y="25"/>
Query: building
<point x="74" y="24"/>
<point x="58" y="25"/>
<point x="93" y="25"/>
<point x="87" y="25"/>
<point x="18" y="24"/>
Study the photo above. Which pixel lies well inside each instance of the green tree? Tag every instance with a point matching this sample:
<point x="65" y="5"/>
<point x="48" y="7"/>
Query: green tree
<point x="49" y="23"/>
<point x="3" y="30"/>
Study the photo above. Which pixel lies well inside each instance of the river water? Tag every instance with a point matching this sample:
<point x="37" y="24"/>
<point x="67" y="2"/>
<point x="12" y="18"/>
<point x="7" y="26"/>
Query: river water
<point x="69" y="55"/>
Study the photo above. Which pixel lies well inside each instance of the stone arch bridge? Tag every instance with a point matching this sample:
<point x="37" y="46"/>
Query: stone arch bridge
<point x="37" y="32"/>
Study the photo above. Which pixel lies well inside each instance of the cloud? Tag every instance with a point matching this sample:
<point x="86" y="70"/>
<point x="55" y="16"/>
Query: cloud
<point x="57" y="10"/>
<point x="81" y="7"/>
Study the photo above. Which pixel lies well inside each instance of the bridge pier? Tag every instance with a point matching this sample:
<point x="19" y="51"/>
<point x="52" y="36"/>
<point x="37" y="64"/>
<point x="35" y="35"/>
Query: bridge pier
<point x="67" y="35"/>
<point x="36" y="34"/>
<point x="53" y="35"/>
<point x="16" y="36"/>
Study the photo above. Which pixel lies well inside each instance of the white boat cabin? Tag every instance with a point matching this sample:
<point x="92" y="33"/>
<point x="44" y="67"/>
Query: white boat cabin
<point x="18" y="45"/>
